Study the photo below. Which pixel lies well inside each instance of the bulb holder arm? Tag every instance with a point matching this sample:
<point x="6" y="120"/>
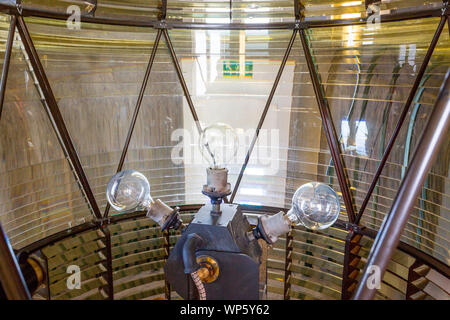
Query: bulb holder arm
<point x="270" y="228"/>
<point x="164" y="215"/>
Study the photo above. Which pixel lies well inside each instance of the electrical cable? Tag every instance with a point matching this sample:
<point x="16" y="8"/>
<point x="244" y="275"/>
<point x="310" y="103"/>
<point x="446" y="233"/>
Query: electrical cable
<point x="199" y="284"/>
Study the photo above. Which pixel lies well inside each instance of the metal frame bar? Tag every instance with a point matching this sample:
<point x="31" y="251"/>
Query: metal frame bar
<point x="410" y="250"/>
<point x="109" y="266"/>
<point x="287" y="265"/>
<point x="298" y="8"/>
<point x="11" y="276"/>
<point x="263" y="115"/>
<point x="6" y="61"/>
<point x="448" y="23"/>
<point x="426" y="152"/>
<point x="56" y="118"/>
<point x="402" y="117"/>
<point x="350" y="270"/>
<point x="167" y="287"/>
<point x="47" y="281"/>
<point x="342" y="225"/>
<point x="181" y="79"/>
<point x="309" y="22"/>
<point x="136" y="110"/>
<point x="412" y="276"/>
<point x="346" y="265"/>
<point x="231" y="11"/>
<point x="329" y="129"/>
<point x="163" y="10"/>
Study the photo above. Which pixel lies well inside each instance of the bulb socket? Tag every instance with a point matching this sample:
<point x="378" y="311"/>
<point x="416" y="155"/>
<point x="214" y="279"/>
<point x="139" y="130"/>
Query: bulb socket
<point x="271" y="227"/>
<point x="164" y="215"/>
<point x="217" y="180"/>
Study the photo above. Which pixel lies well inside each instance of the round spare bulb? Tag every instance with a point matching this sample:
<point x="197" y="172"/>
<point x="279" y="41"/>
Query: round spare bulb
<point x="218" y="145"/>
<point x="314" y="205"/>
<point x="128" y="190"/>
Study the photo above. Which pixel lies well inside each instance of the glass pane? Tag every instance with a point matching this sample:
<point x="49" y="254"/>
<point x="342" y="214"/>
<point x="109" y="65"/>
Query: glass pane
<point x="229" y="75"/>
<point x="235" y="11"/>
<point x="292" y="148"/>
<point x="199" y="11"/>
<point x="39" y="195"/>
<point x="139" y="10"/>
<point x="345" y="9"/>
<point x="262" y="11"/>
<point x="154" y="145"/>
<point x="96" y="74"/>
<point x="367" y="74"/>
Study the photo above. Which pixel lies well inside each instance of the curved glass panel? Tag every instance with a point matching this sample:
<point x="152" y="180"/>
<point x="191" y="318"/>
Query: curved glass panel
<point x="153" y="148"/>
<point x="347" y="9"/>
<point x="39" y="195"/>
<point x="139" y="10"/>
<point x="367" y="75"/>
<point x="95" y="76"/>
<point x="288" y="156"/>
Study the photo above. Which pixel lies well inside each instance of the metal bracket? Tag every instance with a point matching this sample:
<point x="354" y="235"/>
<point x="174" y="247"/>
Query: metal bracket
<point x="445" y="10"/>
<point x="19" y="7"/>
<point x="300" y="25"/>
<point x="353" y="227"/>
<point x="101" y="222"/>
<point x="162" y="24"/>
<point x="91" y="7"/>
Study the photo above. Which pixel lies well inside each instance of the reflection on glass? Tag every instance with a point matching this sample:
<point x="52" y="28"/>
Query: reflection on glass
<point x="357" y="146"/>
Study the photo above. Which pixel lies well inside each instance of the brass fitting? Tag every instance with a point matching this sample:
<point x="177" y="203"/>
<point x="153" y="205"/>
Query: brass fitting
<point x="209" y="269"/>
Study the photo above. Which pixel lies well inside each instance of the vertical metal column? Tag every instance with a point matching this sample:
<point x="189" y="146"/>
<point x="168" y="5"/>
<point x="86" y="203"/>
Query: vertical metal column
<point x="427" y="150"/>
<point x="351" y="260"/>
<point x="287" y="265"/>
<point x="163" y="12"/>
<point x="330" y="130"/>
<point x="167" y="288"/>
<point x="411" y="290"/>
<point x="6" y="61"/>
<point x="11" y="277"/>
<point x="109" y="267"/>
<point x="49" y="295"/>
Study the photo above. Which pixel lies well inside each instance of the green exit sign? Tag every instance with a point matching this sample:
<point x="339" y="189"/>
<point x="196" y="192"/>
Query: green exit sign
<point x="232" y="68"/>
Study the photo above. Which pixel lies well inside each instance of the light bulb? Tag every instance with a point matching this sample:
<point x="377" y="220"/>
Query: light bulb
<point x="218" y="145"/>
<point x="314" y="205"/>
<point x="129" y="190"/>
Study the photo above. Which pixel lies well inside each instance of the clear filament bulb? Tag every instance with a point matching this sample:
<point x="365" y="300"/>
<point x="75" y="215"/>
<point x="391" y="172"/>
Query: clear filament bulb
<point x="218" y="145"/>
<point x="314" y="205"/>
<point x="128" y="190"/>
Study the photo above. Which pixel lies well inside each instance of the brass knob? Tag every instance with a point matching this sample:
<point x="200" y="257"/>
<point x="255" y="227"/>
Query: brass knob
<point x="209" y="269"/>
